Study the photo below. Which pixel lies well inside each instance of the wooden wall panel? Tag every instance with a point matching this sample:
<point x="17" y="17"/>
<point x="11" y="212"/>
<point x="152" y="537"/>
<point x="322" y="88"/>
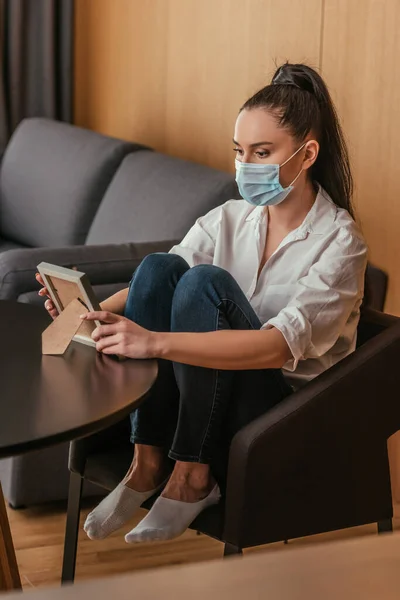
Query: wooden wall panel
<point x="173" y="73"/>
<point x="220" y="53"/>
<point x="120" y="68"/>
<point x="360" y="61"/>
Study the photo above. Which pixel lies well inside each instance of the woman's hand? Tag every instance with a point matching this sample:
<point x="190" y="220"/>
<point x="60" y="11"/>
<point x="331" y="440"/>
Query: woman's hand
<point x="119" y="335"/>
<point x="49" y="305"/>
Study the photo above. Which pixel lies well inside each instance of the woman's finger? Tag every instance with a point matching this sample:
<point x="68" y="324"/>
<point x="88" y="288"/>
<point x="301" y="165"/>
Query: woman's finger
<point x="44" y="292"/>
<point x="51" y="309"/>
<point x="113" y="350"/>
<point x="49" y="305"/>
<point x="108" y="342"/>
<point x="102" y="315"/>
<point x="103" y="331"/>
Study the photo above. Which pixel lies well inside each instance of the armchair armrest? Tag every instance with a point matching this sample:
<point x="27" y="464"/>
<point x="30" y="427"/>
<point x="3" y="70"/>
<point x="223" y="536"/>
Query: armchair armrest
<point x="318" y="461"/>
<point x="372" y="323"/>
<point x="378" y="318"/>
<point x="112" y="263"/>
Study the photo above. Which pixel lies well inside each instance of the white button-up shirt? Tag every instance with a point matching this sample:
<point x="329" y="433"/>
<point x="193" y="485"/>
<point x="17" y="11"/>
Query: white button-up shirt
<point x="311" y="287"/>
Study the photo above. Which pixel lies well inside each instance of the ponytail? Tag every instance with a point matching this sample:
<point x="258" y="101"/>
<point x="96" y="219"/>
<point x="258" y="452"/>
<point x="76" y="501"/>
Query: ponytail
<point x="301" y="103"/>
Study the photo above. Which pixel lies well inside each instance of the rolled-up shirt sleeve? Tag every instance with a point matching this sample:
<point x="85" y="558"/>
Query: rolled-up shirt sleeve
<point x="198" y="245"/>
<point x="324" y="300"/>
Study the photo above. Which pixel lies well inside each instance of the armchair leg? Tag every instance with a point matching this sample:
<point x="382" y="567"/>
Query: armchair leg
<point x="385" y="526"/>
<point x="72" y="528"/>
<point x="231" y="550"/>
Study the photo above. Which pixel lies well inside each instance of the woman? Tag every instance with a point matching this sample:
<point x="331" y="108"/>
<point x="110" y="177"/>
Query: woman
<point x="262" y="295"/>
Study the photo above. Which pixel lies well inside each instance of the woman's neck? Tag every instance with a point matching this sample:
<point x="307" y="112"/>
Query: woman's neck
<point x="291" y="213"/>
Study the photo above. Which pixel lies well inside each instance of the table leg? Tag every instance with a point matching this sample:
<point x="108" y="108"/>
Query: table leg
<point x="9" y="573"/>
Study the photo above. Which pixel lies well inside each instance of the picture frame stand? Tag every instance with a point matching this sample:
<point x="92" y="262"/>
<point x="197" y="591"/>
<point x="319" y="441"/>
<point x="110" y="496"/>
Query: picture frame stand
<point x="59" y="334"/>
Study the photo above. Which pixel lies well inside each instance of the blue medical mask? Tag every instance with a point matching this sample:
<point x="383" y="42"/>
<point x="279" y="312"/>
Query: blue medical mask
<point x="259" y="184"/>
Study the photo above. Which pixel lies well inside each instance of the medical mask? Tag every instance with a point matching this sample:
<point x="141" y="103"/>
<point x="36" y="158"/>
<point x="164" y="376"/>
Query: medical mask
<point x="259" y="184"/>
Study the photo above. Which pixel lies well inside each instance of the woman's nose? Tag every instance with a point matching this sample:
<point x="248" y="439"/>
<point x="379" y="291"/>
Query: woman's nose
<point x="246" y="158"/>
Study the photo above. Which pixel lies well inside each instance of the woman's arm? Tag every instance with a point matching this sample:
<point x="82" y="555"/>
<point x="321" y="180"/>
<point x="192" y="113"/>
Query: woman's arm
<point x="228" y="349"/>
<point x="116" y="302"/>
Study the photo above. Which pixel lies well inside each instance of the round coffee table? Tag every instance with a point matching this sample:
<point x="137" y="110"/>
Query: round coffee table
<point x="45" y="400"/>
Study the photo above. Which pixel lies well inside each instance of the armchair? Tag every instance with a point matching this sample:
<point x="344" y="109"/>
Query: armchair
<point x="316" y="462"/>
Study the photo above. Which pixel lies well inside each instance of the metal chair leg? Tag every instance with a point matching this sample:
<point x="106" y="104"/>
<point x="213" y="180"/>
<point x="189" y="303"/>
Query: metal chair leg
<point x="72" y="528"/>
<point x="231" y="550"/>
<point x="385" y="526"/>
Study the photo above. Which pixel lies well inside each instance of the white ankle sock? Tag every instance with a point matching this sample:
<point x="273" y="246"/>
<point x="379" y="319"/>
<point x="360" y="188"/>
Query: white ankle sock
<point x="170" y="518"/>
<point x="115" y="510"/>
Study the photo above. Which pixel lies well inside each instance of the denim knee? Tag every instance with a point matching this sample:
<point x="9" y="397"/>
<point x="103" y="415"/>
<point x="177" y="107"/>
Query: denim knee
<point x="196" y="289"/>
<point x="155" y="268"/>
<point x="153" y="285"/>
<point x="201" y="277"/>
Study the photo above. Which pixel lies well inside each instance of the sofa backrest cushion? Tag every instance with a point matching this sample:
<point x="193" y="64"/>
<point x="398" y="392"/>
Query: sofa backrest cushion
<point x="53" y="177"/>
<point x="154" y="197"/>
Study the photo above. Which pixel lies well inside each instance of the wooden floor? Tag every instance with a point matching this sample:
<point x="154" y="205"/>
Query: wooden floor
<point x="39" y="533"/>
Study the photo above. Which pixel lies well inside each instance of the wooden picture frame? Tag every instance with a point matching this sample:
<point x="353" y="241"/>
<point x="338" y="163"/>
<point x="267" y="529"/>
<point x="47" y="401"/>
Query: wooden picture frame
<point x="64" y="285"/>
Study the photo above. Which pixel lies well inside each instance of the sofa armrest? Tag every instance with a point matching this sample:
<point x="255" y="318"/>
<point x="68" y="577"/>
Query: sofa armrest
<point x="318" y="460"/>
<point x="113" y="263"/>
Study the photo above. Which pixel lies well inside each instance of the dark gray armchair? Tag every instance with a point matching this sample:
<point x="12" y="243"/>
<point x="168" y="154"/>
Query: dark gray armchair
<point x="331" y="440"/>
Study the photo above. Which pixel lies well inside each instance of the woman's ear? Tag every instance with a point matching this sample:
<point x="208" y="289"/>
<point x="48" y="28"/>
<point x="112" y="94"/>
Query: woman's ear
<point x="312" y="150"/>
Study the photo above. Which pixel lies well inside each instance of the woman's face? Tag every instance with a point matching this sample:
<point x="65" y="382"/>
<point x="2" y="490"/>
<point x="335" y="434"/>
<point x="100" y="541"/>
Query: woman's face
<point x="259" y="139"/>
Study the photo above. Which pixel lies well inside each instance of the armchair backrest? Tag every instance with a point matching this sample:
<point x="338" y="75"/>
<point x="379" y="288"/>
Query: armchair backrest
<point x="154" y="197"/>
<point x="53" y="177"/>
<point x="376" y="282"/>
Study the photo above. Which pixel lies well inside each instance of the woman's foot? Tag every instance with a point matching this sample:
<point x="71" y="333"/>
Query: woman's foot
<point x="190" y="490"/>
<point x="146" y="476"/>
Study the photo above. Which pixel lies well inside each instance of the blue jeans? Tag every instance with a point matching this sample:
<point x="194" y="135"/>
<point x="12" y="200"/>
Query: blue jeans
<point x="193" y="411"/>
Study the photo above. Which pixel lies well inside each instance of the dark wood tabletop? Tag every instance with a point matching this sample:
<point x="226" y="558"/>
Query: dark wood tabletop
<point x="49" y="399"/>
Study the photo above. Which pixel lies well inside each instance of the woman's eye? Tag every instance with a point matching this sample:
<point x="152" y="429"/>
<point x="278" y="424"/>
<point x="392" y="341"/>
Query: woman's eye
<point x="263" y="153"/>
<point x="238" y="150"/>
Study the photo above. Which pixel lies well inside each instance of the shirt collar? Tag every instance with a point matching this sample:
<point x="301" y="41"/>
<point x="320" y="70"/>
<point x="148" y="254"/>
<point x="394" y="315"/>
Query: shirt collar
<point x="320" y="217"/>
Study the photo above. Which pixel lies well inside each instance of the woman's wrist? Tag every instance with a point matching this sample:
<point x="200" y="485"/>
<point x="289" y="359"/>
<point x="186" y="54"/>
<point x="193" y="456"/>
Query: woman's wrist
<point x="158" y="344"/>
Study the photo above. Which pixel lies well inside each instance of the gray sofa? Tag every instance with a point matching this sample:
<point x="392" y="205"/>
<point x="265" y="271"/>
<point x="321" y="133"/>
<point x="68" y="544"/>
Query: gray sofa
<point x="101" y="208"/>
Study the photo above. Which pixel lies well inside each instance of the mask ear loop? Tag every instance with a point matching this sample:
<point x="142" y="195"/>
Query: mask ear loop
<point x="290" y="157"/>
<point x="294" y="154"/>
<point x="296" y="178"/>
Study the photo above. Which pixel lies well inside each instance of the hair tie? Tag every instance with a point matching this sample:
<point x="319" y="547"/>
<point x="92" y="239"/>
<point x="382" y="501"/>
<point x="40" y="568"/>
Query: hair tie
<point x="286" y="83"/>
